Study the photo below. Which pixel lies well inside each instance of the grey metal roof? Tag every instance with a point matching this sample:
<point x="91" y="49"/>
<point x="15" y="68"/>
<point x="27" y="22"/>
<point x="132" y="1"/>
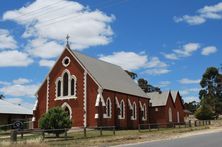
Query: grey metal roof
<point x="158" y="99"/>
<point x="110" y="76"/>
<point x="174" y="95"/>
<point x="9" y="108"/>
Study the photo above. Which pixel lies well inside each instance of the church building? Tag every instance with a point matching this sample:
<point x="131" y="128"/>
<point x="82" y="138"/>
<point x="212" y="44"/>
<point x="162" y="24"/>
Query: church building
<point x="93" y="92"/>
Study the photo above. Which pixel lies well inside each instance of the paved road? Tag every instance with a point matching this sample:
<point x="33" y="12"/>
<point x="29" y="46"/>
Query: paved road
<point x="205" y="140"/>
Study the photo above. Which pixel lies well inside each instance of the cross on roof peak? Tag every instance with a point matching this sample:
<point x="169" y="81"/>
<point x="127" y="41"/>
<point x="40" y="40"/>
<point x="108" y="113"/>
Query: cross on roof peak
<point x="67" y="40"/>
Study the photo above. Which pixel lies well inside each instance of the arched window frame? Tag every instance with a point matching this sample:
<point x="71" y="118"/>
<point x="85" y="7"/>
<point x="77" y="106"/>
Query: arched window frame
<point x="57" y="88"/>
<point x="66" y="105"/>
<point x="134" y="111"/>
<point x="108" y="109"/>
<point x="170" y="113"/>
<point x="144" y="112"/>
<point x="70" y="77"/>
<point x="122" y="110"/>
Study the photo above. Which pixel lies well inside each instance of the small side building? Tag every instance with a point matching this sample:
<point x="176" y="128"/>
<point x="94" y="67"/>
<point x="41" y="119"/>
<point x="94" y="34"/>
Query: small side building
<point x="10" y="113"/>
<point x="162" y="108"/>
<point x="178" y="101"/>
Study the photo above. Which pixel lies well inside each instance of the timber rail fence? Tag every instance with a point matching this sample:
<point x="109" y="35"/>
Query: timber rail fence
<point x="13" y="134"/>
<point x="157" y="126"/>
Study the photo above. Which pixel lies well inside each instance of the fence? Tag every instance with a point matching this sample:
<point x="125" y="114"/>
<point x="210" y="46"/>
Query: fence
<point x="78" y="133"/>
<point x="14" y="133"/>
<point x="157" y="126"/>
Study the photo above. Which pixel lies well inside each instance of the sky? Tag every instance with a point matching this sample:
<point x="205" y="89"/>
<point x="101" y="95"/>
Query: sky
<point x="169" y="43"/>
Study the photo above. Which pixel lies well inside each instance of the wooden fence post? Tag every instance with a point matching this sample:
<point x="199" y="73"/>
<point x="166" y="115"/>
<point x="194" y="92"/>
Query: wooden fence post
<point x="158" y="127"/>
<point x="101" y="133"/>
<point x="190" y="125"/>
<point x="65" y="134"/>
<point x="149" y="127"/>
<point x="84" y="131"/>
<point x="139" y="127"/>
<point x="43" y="135"/>
<point x="21" y="134"/>
<point x="209" y="122"/>
<point x="13" y="136"/>
<point x="114" y="131"/>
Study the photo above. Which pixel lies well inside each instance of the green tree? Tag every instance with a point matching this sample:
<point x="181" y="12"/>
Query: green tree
<point x="204" y="112"/>
<point x="2" y="96"/>
<point x="131" y="74"/>
<point x="55" y="118"/>
<point x="211" y="89"/>
<point x="143" y="84"/>
<point x="191" y="106"/>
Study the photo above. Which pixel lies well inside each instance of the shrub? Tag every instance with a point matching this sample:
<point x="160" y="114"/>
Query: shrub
<point x="55" y="118"/>
<point x="204" y="112"/>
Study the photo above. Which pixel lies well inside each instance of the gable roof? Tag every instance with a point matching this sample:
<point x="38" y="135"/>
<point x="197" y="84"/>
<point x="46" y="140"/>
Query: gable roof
<point x="174" y="95"/>
<point x="158" y="99"/>
<point x="110" y="76"/>
<point x="9" y="108"/>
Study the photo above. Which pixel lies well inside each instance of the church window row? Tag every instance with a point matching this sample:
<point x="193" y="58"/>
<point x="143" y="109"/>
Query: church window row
<point x="122" y="110"/>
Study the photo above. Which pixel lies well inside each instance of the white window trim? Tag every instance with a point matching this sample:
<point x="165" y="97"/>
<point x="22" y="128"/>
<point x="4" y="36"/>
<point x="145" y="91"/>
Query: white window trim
<point x="134" y="111"/>
<point x="63" y="61"/>
<point x="70" y="77"/>
<point x="120" y="116"/>
<point x="144" y="118"/>
<point x="70" y="109"/>
<point x="110" y="109"/>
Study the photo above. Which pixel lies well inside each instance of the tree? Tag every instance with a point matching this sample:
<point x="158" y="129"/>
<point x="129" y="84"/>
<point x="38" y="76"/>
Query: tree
<point x="191" y="106"/>
<point x="55" y="118"/>
<point x="204" y="112"/>
<point x="2" y="96"/>
<point x="211" y="84"/>
<point x="131" y="74"/>
<point x="143" y="84"/>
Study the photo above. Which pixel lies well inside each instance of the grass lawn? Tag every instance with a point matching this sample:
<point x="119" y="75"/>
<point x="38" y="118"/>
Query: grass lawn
<point x="94" y="139"/>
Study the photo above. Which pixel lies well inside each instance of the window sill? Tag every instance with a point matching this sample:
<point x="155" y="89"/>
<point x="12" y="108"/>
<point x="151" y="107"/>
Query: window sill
<point x="65" y="98"/>
<point x="119" y="117"/>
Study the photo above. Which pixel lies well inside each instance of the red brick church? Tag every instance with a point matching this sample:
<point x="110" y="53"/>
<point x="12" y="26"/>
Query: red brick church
<point x="93" y="92"/>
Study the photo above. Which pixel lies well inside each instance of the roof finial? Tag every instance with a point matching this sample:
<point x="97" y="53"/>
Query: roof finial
<point x="67" y="40"/>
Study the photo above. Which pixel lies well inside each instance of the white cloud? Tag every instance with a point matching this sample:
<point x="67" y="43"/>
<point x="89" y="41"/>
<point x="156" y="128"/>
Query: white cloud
<point x="46" y="63"/>
<point x="127" y="60"/>
<point x="20" y="87"/>
<point x="157" y="71"/>
<point x="155" y="62"/>
<point x="209" y="50"/>
<point x="189" y="91"/>
<point x="185" y="51"/>
<point x="134" y="61"/>
<point x="14" y="58"/>
<point x="20" y="90"/>
<point x="4" y="83"/>
<point x="6" y="40"/>
<point x="85" y="26"/>
<point x="202" y="15"/>
<point x="45" y="49"/>
<point x="21" y="81"/>
<point x="189" y="81"/>
<point x="191" y="98"/>
<point x="21" y="102"/>
<point x="192" y="20"/>
<point x="164" y="84"/>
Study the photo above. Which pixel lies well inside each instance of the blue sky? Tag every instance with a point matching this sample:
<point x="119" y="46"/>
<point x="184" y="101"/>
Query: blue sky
<point x="169" y="43"/>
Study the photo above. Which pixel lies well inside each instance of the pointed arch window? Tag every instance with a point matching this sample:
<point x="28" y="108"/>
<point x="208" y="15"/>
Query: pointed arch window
<point x="144" y="112"/>
<point x="59" y="88"/>
<point x="134" y="111"/>
<point x="66" y="86"/>
<point x="122" y="110"/>
<point x="108" y="108"/>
